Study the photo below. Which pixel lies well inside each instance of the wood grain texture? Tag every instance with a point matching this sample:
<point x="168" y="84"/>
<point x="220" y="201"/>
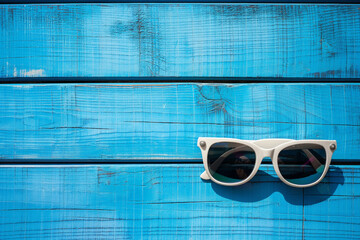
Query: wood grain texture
<point x="196" y="40"/>
<point x="173" y="1"/>
<point x="171" y="201"/>
<point x="125" y="122"/>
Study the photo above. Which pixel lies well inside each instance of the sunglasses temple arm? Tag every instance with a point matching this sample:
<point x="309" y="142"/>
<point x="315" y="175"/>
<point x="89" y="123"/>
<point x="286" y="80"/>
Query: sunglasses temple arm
<point x="315" y="163"/>
<point x="215" y="165"/>
<point x="205" y="176"/>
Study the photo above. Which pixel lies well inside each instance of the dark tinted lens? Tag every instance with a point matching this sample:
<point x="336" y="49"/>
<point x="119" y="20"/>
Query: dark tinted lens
<point x="230" y="162"/>
<point x="302" y="163"/>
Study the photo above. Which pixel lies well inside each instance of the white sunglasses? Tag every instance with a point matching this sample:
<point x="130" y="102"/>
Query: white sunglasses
<point x="298" y="163"/>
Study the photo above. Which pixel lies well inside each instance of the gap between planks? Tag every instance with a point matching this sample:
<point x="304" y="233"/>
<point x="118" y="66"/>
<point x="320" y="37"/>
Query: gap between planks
<point x="225" y="80"/>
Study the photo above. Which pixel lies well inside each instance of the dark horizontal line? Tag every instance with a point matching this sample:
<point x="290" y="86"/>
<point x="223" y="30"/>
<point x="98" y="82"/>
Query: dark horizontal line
<point x="94" y="128"/>
<point x="98" y="161"/>
<point x="191" y="202"/>
<point x="34" y="80"/>
<point x="265" y="162"/>
<point x="177" y="1"/>
<point x="339" y="162"/>
<point x="245" y="123"/>
<point x="55" y="209"/>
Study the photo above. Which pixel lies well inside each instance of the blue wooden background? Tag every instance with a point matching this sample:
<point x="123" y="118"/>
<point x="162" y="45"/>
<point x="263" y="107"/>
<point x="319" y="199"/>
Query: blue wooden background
<point x="194" y="40"/>
<point x="118" y="160"/>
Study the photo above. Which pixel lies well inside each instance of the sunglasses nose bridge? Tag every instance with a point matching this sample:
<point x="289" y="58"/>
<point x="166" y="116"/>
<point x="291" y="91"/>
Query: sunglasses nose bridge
<point x="267" y="152"/>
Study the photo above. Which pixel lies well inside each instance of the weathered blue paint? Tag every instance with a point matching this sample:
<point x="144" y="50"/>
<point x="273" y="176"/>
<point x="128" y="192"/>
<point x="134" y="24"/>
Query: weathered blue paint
<point x="202" y="40"/>
<point x="174" y="1"/>
<point x="161" y="122"/>
<point x="128" y="122"/>
<point x="225" y="80"/>
<point x="171" y="201"/>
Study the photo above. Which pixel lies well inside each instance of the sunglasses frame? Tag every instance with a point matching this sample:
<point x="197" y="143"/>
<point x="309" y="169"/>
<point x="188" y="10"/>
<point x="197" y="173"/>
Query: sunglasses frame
<point x="264" y="148"/>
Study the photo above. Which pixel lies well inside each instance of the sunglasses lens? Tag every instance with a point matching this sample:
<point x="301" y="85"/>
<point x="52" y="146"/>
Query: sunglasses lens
<point x="231" y="162"/>
<point x="302" y="164"/>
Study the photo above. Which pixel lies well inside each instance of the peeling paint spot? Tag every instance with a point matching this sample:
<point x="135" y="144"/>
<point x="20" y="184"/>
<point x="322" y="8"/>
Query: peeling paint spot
<point x="329" y="73"/>
<point x="32" y="73"/>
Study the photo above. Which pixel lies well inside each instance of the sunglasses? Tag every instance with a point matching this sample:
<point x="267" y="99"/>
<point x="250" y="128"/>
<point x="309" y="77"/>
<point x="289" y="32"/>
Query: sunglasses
<point x="298" y="163"/>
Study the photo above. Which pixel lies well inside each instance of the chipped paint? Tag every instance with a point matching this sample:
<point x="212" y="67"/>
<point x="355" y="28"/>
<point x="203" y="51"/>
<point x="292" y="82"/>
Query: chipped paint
<point x="32" y="73"/>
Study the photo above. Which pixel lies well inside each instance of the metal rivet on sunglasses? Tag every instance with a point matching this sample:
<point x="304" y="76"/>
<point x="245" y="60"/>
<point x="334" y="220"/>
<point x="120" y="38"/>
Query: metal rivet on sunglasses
<point x="332" y="147"/>
<point x="202" y="144"/>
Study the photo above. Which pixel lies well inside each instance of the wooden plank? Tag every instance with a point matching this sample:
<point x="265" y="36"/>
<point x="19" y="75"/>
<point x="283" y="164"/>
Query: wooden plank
<point x="171" y="201"/>
<point x="337" y="212"/>
<point x="173" y="1"/>
<point x="186" y="40"/>
<point x="126" y="122"/>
